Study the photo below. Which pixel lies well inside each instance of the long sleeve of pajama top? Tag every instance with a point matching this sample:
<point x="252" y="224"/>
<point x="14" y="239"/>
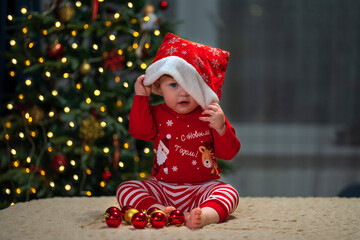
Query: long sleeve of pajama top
<point x="185" y="147"/>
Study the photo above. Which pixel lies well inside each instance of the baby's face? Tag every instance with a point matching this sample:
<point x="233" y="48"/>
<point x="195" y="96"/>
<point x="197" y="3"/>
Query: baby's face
<point x="175" y="96"/>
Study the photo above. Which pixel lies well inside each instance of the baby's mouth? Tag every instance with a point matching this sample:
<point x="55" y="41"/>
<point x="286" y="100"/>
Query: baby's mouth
<point x="184" y="102"/>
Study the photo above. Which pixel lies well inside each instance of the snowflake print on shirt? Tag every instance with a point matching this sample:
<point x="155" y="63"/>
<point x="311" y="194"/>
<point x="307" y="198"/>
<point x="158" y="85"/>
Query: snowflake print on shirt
<point x="194" y="162"/>
<point x="169" y="123"/>
<point x="175" y="168"/>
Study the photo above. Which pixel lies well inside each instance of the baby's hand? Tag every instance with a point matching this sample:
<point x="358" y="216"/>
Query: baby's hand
<point x="215" y="117"/>
<point x="139" y="87"/>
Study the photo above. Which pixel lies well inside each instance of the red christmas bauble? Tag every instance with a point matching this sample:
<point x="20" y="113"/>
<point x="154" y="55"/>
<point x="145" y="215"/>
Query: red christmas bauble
<point x="106" y="176"/>
<point x="113" y="217"/>
<point x="176" y="218"/>
<point x="163" y="5"/>
<point x="58" y="163"/>
<point x="150" y="210"/>
<point x="139" y="220"/>
<point x="124" y="209"/>
<point x="158" y="219"/>
<point x="55" y="50"/>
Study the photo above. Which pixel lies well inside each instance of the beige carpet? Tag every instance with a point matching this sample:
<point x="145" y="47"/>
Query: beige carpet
<point x="255" y="218"/>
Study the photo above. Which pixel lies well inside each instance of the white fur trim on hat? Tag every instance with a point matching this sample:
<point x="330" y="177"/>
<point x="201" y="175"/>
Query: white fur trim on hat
<point x="185" y="74"/>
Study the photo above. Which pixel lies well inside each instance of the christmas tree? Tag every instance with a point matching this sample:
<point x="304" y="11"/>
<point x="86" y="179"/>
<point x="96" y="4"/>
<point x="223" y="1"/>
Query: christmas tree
<point x="65" y="131"/>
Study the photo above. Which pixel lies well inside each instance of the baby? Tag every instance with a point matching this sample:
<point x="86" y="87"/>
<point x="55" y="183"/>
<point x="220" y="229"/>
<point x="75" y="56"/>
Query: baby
<point x="189" y="131"/>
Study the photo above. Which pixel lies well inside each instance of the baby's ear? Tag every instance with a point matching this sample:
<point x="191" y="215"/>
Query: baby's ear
<point x="157" y="85"/>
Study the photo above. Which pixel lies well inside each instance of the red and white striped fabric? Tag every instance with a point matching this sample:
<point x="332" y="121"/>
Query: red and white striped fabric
<point x="183" y="196"/>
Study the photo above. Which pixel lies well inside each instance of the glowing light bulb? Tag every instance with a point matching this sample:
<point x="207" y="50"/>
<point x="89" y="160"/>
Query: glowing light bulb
<point x="88" y="100"/>
<point x="66" y="109"/>
<point x="143" y="66"/>
<point x="64" y="60"/>
<point x="12" y="42"/>
<point x="51" y="114"/>
<point x="121" y="164"/>
<point x="67" y="187"/>
<point x="23" y="10"/>
<point x="9" y="106"/>
<point x="57" y="24"/>
<point x="10" y="17"/>
<point x="156" y="32"/>
<point x="126" y="85"/>
<point x="41" y="98"/>
<point x="28" y="82"/>
<point x="47" y="74"/>
<point x="69" y="143"/>
<point x="120" y="119"/>
<point x="54" y="93"/>
<point x="52" y="184"/>
<point x="106" y="150"/>
<point x="97" y="92"/>
<point x="78" y="4"/>
<point x="130" y="5"/>
<point x="50" y="134"/>
<point x="71" y="124"/>
<point x="112" y="37"/>
<point x="146" y="150"/>
<point x="95" y="47"/>
<point x="74" y="45"/>
<point x="103" y="124"/>
<point x="129" y="64"/>
<point x="117" y="15"/>
<point x="136" y="34"/>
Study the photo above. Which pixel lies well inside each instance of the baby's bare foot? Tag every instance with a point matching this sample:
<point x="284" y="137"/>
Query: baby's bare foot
<point x="193" y="220"/>
<point x="169" y="209"/>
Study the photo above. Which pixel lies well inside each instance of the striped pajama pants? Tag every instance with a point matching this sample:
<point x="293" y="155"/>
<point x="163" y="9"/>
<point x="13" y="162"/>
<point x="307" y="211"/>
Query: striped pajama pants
<point x="183" y="196"/>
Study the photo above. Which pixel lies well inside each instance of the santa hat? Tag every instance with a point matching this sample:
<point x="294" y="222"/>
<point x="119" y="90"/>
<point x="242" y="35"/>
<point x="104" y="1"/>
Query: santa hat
<point x="199" y="69"/>
<point x="164" y="143"/>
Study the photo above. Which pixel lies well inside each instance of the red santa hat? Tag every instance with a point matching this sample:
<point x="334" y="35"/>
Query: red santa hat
<point x="164" y="143"/>
<point x="198" y="68"/>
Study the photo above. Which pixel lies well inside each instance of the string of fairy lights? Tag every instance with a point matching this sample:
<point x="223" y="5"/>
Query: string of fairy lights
<point x="29" y="118"/>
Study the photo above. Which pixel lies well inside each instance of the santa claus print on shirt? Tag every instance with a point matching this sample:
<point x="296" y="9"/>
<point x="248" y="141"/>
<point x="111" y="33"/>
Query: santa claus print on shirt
<point x="162" y="153"/>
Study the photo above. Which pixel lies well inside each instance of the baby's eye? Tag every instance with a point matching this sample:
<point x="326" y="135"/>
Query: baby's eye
<point x="173" y="84"/>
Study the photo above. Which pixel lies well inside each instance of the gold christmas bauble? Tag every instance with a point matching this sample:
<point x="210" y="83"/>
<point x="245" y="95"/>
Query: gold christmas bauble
<point x="129" y="213"/>
<point x="90" y="129"/>
<point x="85" y="68"/>
<point x="37" y="114"/>
<point x="66" y="12"/>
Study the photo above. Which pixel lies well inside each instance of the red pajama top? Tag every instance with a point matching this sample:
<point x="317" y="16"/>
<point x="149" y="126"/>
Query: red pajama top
<point x="185" y="147"/>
